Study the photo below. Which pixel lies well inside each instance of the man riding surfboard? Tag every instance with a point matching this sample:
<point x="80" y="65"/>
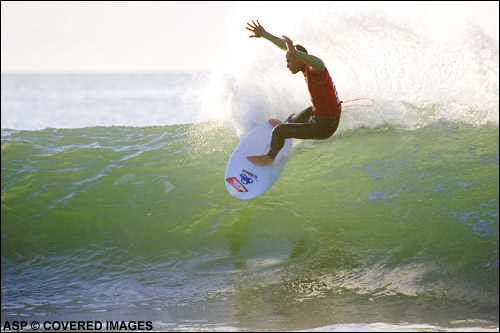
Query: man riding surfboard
<point x="321" y="119"/>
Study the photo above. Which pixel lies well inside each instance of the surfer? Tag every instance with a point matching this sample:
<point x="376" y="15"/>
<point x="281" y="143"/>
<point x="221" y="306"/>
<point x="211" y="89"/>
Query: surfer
<point x="321" y="119"/>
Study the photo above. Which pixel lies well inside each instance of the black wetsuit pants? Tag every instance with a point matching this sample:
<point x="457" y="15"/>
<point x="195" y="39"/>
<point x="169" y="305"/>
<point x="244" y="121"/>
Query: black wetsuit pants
<point x="303" y="125"/>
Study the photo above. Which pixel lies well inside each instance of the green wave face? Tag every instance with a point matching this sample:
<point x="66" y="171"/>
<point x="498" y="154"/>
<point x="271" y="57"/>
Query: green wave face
<point x="367" y="225"/>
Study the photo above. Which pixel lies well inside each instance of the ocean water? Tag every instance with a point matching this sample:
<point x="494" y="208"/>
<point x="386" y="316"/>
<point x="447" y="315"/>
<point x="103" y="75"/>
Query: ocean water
<point x="114" y="206"/>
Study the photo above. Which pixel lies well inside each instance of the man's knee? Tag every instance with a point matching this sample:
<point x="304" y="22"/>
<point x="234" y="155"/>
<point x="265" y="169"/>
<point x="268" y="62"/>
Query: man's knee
<point x="290" y="118"/>
<point x="279" y="131"/>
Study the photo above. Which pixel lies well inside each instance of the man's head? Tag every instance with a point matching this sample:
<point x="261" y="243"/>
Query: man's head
<point x="293" y="63"/>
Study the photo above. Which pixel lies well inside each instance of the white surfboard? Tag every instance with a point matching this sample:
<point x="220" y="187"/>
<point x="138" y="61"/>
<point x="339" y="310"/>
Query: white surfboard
<point x="245" y="180"/>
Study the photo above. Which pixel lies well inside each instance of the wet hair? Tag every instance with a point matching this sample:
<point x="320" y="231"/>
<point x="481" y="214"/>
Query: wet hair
<point x="300" y="48"/>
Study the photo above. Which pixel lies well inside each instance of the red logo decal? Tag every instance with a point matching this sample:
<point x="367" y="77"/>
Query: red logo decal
<point x="236" y="184"/>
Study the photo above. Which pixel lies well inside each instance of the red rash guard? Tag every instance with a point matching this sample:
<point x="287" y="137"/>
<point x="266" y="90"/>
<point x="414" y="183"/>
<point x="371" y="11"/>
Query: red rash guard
<point x="324" y="97"/>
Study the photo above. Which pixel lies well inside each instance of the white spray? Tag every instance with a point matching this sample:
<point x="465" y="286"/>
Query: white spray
<point x="420" y="62"/>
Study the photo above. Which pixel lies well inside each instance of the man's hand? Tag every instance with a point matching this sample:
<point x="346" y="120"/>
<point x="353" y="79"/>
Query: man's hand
<point x="309" y="59"/>
<point x="256" y="28"/>
<point x="289" y="43"/>
<point x="259" y="31"/>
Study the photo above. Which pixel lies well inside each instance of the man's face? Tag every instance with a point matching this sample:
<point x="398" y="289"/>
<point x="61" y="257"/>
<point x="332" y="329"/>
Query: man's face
<point x="293" y="63"/>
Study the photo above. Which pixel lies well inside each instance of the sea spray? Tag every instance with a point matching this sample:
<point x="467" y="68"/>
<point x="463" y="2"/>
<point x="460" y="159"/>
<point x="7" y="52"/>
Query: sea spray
<point x="420" y="63"/>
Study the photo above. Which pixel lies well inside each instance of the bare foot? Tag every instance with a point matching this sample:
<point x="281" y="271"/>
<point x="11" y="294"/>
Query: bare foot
<point x="261" y="160"/>
<point x="275" y="122"/>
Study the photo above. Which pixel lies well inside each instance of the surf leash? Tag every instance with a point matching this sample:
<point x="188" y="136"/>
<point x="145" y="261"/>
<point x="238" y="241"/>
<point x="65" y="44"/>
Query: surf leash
<point x="367" y="102"/>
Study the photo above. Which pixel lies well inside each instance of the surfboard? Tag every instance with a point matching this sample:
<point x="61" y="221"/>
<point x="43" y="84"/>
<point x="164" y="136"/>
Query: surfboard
<point x="245" y="180"/>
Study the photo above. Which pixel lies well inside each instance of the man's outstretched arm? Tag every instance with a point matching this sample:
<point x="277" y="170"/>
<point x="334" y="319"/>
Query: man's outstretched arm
<point x="259" y="32"/>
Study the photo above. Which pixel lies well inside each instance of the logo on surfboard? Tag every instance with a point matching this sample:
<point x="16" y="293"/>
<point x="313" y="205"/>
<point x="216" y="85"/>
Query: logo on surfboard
<point x="236" y="184"/>
<point x="249" y="174"/>
<point x="246" y="180"/>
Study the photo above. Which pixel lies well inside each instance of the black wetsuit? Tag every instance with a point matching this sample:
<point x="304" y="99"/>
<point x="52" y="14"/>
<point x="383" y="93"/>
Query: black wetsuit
<point x="303" y="125"/>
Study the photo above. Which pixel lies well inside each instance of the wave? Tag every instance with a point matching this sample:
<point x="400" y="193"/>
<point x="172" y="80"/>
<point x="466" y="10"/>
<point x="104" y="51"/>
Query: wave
<point x="380" y="213"/>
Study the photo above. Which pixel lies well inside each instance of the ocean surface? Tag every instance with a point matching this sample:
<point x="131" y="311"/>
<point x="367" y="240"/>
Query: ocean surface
<point x="114" y="205"/>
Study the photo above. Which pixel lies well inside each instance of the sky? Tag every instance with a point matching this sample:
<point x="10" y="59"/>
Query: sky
<point x="108" y="37"/>
<point x="176" y="36"/>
